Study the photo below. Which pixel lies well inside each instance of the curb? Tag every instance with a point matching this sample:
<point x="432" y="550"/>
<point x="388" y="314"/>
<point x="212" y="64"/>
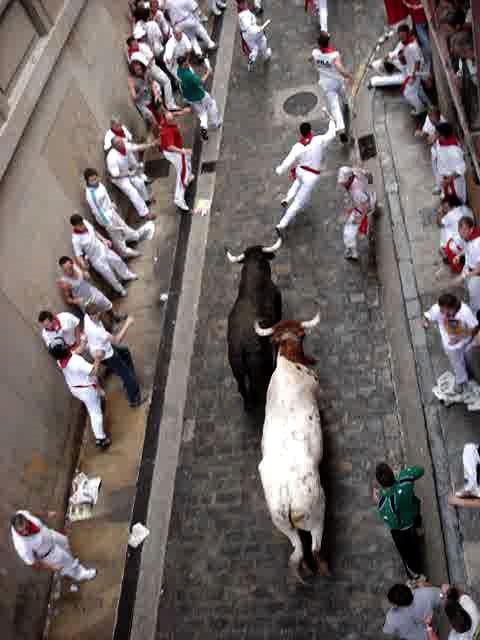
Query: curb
<point x="423" y="364"/>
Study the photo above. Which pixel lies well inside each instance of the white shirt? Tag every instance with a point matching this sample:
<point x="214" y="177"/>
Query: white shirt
<point x="175" y="49"/>
<point x="471" y="608"/>
<point x="87" y="244"/>
<point x="449" y="327"/>
<point x="34" y="547"/>
<point x="154" y="35"/>
<point x="180" y="10"/>
<point x="413" y="55"/>
<point x="325" y="62"/>
<point x="98" y="338"/>
<point x="450" y="224"/>
<point x="472" y="254"/>
<point x="144" y="49"/>
<point x="77" y="372"/>
<point x="311" y="155"/>
<point x="68" y="324"/>
<point x="110" y="135"/>
<point x="361" y="198"/>
<point x="162" y="22"/>
<point x="249" y="27"/>
<point x="118" y="164"/>
<point x="450" y="159"/>
<point x="100" y="204"/>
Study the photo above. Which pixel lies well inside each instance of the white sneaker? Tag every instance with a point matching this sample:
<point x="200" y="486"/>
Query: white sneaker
<point x="436" y="191"/>
<point x="131" y="277"/>
<point x="212" y="46"/>
<point x="216" y="12"/>
<point x="221" y="5"/>
<point x="284" y="203"/>
<point x="468" y="493"/>
<point x="181" y="204"/>
<point x="87" y="574"/>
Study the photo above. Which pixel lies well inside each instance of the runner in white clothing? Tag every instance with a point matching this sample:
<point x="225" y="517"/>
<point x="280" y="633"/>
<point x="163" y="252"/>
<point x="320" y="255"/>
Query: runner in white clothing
<point x="470" y="277"/>
<point x="320" y="7"/>
<point x="254" y="41"/>
<point x="332" y="76"/>
<point x="90" y="248"/>
<point x="177" y="47"/>
<point x="43" y="548"/>
<point x="106" y="214"/>
<point x="362" y="203"/>
<point x="183" y="14"/>
<point x="127" y="174"/>
<point x="471" y="461"/>
<point x="61" y="325"/>
<point x="83" y="384"/>
<point x="450" y="164"/>
<point x="308" y="161"/>
<point x="116" y="129"/>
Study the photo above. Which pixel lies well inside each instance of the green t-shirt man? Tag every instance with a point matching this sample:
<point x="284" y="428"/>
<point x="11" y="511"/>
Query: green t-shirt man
<point x="191" y="84"/>
<point x="398" y="505"/>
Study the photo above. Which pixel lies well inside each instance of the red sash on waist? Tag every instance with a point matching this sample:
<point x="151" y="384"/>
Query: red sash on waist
<point x="451" y="251"/>
<point x="317" y="173"/>
<point x="309" y="5"/>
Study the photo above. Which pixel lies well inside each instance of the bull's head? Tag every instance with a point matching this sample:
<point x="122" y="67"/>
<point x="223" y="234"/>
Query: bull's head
<point x="289" y="335"/>
<point x="255" y="251"/>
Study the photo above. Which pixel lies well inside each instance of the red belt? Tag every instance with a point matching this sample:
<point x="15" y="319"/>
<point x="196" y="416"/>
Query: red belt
<point x="317" y="173"/>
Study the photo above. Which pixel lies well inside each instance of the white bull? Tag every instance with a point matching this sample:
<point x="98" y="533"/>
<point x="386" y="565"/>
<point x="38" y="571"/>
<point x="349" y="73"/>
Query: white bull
<point x="292" y="443"/>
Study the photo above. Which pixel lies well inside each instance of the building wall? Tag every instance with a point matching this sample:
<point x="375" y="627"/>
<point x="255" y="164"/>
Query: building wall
<point x="40" y="188"/>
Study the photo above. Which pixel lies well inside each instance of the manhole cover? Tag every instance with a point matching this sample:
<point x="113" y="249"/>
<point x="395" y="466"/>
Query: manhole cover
<point x="300" y="104"/>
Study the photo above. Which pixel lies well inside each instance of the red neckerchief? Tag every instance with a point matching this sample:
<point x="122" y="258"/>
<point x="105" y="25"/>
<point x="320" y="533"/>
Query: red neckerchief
<point x="118" y="131"/>
<point x="305" y="140"/>
<point x="123" y="149"/>
<point x="56" y="324"/>
<point x="451" y="141"/>
<point x="475" y="233"/>
<point x="411" y="40"/>
<point x="133" y="48"/>
<point x="64" y="361"/>
<point x="32" y="530"/>
<point x="80" y="231"/>
<point x="327" y="49"/>
<point x="308" y="5"/>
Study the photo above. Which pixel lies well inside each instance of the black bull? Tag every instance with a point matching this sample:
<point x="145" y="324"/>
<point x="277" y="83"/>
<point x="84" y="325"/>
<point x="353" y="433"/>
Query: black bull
<point x="251" y="357"/>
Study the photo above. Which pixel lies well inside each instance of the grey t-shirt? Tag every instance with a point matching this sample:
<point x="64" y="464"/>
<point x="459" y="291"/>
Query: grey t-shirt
<point x="408" y="622"/>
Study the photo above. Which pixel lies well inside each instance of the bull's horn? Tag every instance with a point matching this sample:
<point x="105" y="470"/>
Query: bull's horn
<point x="262" y="332"/>
<point x="309" y="324"/>
<point x="274" y="247"/>
<point x="233" y="258"/>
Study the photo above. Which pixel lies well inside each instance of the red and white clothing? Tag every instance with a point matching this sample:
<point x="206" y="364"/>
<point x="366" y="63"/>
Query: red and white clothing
<point x="254" y="41"/>
<point x="450" y="240"/>
<point x="153" y="33"/>
<point x="170" y="136"/>
<point x="321" y="8"/>
<point x="472" y="261"/>
<point x="134" y="185"/>
<point x="106" y="214"/>
<point x="175" y="49"/>
<point x="163" y="23"/>
<point x="154" y="71"/>
<point x="49" y="546"/>
<point x="183" y="14"/>
<point x="120" y="132"/>
<point x="106" y="262"/>
<point x="397" y="12"/>
<point x="450" y="164"/>
<point x="308" y="161"/>
<point x="362" y="202"/>
<point x="65" y="325"/>
<point x="332" y="82"/>
<point x="451" y="328"/>
<point x="78" y="376"/>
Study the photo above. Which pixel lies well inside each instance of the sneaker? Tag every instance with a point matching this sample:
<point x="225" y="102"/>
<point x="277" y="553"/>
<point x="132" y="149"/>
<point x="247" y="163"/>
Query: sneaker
<point x="87" y="574"/>
<point x="284" y="203"/>
<point x="343" y="137"/>
<point x="460" y="388"/>
<point x="221" y="5"/>
<point x="468" y="493"/>
<point x="103" y="443"/>
<point x="182" y="205"/>
<point x="131" y="277"/>
<point x="436" y="191"/>
<point x="123" y="293"/>
<point x="212" y="46"/>
<point x="204" y="134"/>
<point x="216" y="12"/>
<point x="251" y="65"/>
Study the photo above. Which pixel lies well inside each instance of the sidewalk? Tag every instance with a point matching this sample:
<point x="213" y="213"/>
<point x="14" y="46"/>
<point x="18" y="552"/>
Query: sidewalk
<point x="406" y="167"/>
<point x="101" y="542"/>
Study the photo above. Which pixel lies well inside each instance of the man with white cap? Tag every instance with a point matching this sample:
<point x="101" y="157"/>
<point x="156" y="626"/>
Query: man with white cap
<point x="106" y="214"/>
<point x="127" y="174"/>
<point x="254" y="41"/>
<point x="177" y="47"/>
<point x="83" y="384"/>
<point x="43" y="548"/>
<point x="157" y="74"/>
<point x="308" y="161"/>
<point x="183" y="14"/>
<point x="195" y="95"/>
<point x="362" y="203"/>
<point x="332" y="76"/>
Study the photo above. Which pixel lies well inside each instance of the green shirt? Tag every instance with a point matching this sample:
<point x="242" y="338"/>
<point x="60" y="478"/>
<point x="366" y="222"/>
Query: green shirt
<point x="192" y="87"/>
<point x="398" y="505"/>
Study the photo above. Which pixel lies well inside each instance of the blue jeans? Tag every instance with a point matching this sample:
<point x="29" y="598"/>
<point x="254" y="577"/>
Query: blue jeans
<point x="424" y="41"/>
<point x="121" y="364"/>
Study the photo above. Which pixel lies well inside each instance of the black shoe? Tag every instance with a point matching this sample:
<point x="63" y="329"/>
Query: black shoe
<point x="343" y="138"/>
<point x="103" y="443"/>
<point x="204" y="134"/>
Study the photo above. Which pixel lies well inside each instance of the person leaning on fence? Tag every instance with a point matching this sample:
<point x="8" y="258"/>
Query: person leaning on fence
<point x="399" y="508"/>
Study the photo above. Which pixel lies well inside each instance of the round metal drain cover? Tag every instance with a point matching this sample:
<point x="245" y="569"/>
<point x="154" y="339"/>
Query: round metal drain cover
<point x="300" y="104"/>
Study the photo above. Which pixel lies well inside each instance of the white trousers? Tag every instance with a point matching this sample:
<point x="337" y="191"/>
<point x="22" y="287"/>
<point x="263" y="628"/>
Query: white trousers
<point x="411" y="93"/>
<point x="350" y="231"/>
<point x="164" y="81"/>
<point x="136" y="191"/>
<point x="458" y="363"/>
<point x="62" y="559"/>
<point x="112" y="269"/>
<point x="473" y="286"/>
<point x="336" y="99"/>
<point x="322" y="9"/>
<point x="459" y="184"/>
<point x="120" y="233"/>
<point x="258" y="46"/>
<point x="91" y="399"/>
<point x="207" y="111"/>
<point x="183" y="169"/>
<point x="471" y="459"/>
<point x="194" y="29"/>
<point x="299" y="195"/>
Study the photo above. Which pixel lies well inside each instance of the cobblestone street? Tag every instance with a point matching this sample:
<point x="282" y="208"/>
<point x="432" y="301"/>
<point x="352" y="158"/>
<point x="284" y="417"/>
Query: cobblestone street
<point x="226" y="572"/>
